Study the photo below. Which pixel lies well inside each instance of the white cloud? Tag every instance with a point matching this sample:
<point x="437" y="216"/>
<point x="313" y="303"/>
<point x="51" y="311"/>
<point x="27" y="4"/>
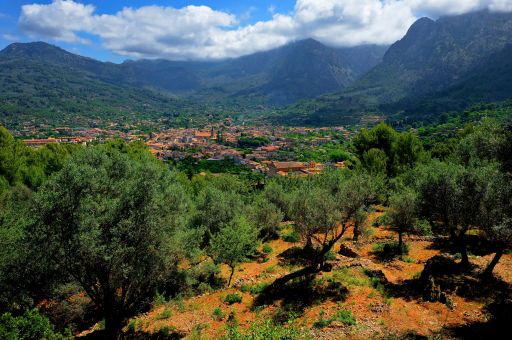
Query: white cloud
<point x="10" y="37"/>
<point x="501" y="5"/>
<point x="58" y="20"/>
<point x="199" y="32"/>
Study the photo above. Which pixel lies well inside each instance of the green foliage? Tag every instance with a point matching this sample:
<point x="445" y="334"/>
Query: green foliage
<point x="348" y="277"/>
<point x="218" y="314"/>
<point x="321" y="322"/>
<point x="277" y="194"/>
<point x="255" y="289"/>
<point x="384" y="151"/>
<point x="216" y="208"/>
<point x="266" y="216"/>
<point x="21" y="165"/>
<point x="193" y="166"/>
<point x="267" y="249"/>
<point x="267" y="330"/>
<point x="165" y="314"/>
<point x="375" y="161"/>
<point x="344" y="316"/>
<point x="330" y="256"/>
<point x="252" y="142"/>
<point x="389" y="250"/>
<point x="234" y="243"/>
<point x="423" y="227"/>
<point x="233" y="298"/>
<point x="118" y="219"/>
<point x="403" y="212"/>
<point x="166" y="331"/>
<point x="292" y="237"/>
<point x="31" y="325"/>
<point x="313" y="210"/>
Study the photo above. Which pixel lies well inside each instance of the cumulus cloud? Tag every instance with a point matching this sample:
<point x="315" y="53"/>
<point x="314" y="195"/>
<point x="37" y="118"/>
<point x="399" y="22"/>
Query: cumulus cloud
<point x="199" y="32"/>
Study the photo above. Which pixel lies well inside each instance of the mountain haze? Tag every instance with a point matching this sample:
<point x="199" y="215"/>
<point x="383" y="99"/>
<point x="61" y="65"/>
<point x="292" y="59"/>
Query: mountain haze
<point x="434" y="57"/>
<point x="303" y="69"/>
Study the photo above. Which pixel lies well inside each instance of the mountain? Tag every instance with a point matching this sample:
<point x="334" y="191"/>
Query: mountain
<point x="48" y="85"/>
<point x="489" y="81"/>
<point x="303" y="69"/>
<point x="433" y="59"/>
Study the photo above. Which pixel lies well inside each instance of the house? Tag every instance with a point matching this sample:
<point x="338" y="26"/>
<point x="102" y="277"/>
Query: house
<point x="39" y="142"/>
<point x="286" y="167"/>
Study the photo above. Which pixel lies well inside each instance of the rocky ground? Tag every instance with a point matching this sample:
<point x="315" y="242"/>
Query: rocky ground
<point x="386" y="297"/>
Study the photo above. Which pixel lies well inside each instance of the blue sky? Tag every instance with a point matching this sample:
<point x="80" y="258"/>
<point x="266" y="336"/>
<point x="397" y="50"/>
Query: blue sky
<point x="215" y="29"/>
<point x="250" y="11"/>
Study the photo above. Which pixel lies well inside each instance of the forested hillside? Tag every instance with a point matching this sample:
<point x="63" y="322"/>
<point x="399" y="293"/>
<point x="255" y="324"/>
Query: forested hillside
<point x="107" y="239"/>
<point x="438" y="66"/>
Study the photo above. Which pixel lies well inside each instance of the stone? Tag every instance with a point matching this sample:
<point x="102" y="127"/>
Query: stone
<point x="348" y="252"/>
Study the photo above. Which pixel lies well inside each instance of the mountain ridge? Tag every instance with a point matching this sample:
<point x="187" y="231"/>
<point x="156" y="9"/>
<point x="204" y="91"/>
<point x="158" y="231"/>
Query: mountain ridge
<point x="302" y="69"/>
<point x="432" y="57"/>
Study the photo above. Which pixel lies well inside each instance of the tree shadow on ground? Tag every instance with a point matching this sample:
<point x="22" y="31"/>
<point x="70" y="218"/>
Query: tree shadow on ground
<point x="476" y="245"/>
<point x="388" y="251"/>
<point x="299" y="294"/>
<point x="295" y="256"/>
<point x="441" y="278"/>
<point x="498" y="326"/>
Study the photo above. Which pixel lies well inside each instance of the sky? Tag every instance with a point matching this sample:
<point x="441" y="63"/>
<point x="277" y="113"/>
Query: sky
<point x="115" y="30"/>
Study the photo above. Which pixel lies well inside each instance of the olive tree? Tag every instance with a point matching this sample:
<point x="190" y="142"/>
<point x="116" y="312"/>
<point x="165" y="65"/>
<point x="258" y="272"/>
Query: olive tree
<point x="323" y="209"/>
<point x="316" y="216"/>
<point x="402" y="213"/>
<point x="266" y="216"/>
<point x="233" y="243"/>
<point x="501" y="238"/>
<point x="112" y="225"/>
<point x="453" y="194"/>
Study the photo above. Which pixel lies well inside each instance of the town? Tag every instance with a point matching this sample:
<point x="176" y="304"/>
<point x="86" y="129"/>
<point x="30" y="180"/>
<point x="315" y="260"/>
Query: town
<point x="271" y="150"/>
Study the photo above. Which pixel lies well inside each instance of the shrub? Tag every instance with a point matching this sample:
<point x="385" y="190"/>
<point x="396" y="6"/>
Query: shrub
<point x="204" y="287"/>
<point x="233" y="298"/>
<point x="344" y="316"/>
<point x="350" y="277"/>
<point x="132" y="326"/>
<point x="258" y="288"/>
<point x="270" y="270"/>
<point x="423" y="227"/>
<point x="407" y="259"/>
<point x="165" y="314"/>
<point x="389" y="250"/>
<point x="197" y="329"/>
<point x="159" y="300"/>
<point x="166" y="331"/>
<point x="285" y="314"/>
<point x="267" y="249"/>
<point x="218" y="314"/>
<point x="321" y="322"/>
<point x="330" y="256"/>
<point x="267" y="330"/>
<point x="30" y="325"/>
<point x="292" y="237"/>
<point x="245" y="288"/>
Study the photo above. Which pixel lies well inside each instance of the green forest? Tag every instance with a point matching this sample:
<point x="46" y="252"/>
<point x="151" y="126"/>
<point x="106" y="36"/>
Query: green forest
<point x="122" y="231"/>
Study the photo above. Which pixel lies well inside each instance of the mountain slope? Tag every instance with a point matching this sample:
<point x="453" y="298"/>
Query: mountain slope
<point x="63" y="93"/>
<point x="303" y="69"/>
<point x="490" y="81"/>
<point x="432" y="57"/>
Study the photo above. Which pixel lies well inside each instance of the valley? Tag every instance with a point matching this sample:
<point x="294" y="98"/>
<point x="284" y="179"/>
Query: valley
<point x="302" y="170"/>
